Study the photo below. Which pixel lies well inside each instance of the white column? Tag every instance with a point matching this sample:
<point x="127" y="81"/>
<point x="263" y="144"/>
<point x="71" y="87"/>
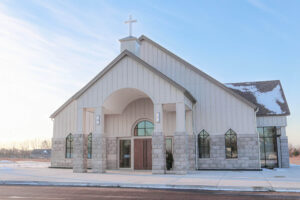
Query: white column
<point x="80" y="144"/>
<point x="180" y="117"/>
<point x="99" y="143"/>
<point x="158" y="142"/>
<point x="181" y="164"/>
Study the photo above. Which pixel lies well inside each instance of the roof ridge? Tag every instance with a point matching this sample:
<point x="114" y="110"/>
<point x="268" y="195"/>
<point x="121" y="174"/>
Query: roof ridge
<point x="195" y="69"/>
<point x="109" y="66"/>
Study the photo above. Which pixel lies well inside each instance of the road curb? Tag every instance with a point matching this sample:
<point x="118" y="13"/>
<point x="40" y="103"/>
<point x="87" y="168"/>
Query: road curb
<point x="150" y="186"/>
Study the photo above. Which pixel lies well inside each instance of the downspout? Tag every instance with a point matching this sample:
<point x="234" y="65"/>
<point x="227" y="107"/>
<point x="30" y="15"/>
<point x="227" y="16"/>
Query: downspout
<point x="255" y="111"/>
<point x="278" y="143"/>
<point x="195" y="135"/>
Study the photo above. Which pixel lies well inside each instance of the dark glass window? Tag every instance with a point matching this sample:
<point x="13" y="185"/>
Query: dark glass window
<point x="204" y="144"/>
<point x="169" y="145"/>
<point x="125" y="153"/>
<point x="144" y="128"/>
<point x="268" y="147"/>
<point x="89" y="145"/>
<point x="231" y="144"/>
<point x="69" y="146"/>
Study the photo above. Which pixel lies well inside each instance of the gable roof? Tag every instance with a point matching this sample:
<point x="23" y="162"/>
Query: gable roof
<point x="195" y="69"/>
<point x="111" y="65"/>
<point x="267" y="95"/>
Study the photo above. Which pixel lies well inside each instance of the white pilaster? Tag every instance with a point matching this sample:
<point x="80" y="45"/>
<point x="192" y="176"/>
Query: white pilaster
<point x="181" y="164"/>
<point x="180" y="117"/>
<point x="99" y="142"/>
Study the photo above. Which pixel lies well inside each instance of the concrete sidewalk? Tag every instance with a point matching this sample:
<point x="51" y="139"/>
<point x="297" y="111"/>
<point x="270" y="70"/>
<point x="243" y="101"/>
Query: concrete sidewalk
<point x="38" y="173"/>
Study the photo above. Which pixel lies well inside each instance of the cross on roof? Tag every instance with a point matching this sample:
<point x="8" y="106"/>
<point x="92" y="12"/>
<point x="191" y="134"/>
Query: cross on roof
<point x="130" y="21"/>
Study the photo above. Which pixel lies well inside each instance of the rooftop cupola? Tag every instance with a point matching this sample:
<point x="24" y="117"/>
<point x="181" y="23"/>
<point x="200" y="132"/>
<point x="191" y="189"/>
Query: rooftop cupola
<point x="130" y="43"/>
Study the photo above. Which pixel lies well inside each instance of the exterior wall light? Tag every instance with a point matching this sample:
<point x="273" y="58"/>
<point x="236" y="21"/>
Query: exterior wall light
<point x="98" y="119"/>
<point x="157" y="117"/>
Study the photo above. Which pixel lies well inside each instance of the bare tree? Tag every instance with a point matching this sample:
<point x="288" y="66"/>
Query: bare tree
<point x="46" y="144"/>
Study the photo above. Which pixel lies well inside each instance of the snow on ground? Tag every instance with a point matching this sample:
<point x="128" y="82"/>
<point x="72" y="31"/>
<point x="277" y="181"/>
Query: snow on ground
<point x="25" y="164"/>
<point x="6" y="162"/>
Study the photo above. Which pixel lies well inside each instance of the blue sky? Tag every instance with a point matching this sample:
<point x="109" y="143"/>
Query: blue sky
<point x="50" y="49"/>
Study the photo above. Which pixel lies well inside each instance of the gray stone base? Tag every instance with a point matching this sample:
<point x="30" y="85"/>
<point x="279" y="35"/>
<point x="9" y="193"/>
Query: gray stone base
<point x="191" y="152"/>
<point x="80" y="153"/>
<point x="58" y="159"/>
<point x="181" y="164"/>
<point x="99" y="153"/>
<point x="158" y="153"/>
<point x="248" y="153"/>
<point x="111" y="150"/>
<point x="285" y="158"/>
<point x="58" y="154"/>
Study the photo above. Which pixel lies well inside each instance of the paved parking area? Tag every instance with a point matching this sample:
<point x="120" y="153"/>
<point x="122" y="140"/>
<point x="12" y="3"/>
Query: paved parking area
<point x="88" y="193"/>
<point x="38" y="173"/>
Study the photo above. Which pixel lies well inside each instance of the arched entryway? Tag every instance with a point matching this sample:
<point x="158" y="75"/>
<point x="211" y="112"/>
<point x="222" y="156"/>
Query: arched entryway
<point x="129" y="120"/>
<point x="130" y="133"/>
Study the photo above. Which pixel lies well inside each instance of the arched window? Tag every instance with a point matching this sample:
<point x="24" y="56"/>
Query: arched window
<point x="69" y="146"/>
<point x="204" y="144"/>
<point x="89" y="145"/>
<point x="144" y="128"/>
<point x="231" y="144"/>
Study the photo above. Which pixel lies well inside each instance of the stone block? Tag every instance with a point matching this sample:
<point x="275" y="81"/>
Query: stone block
<point x="99" y="153"/>
<point x="158" y="153"/>
<point x="80" y="153"/>
<point x="248" y="153"/>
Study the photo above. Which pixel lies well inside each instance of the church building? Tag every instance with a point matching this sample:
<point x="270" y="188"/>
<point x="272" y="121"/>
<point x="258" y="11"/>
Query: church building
<point x="151" y="110"/>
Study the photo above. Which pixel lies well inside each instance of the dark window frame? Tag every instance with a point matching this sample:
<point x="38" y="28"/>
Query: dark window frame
<point x="203" y="144"/>
<point x="232" y="137"/>
<point x="264" y="137"/>
<point x="89" y="145"/>
<point x="142" y="125"/>
<point x="69" y="146"/>
<point x="125" y="163"/>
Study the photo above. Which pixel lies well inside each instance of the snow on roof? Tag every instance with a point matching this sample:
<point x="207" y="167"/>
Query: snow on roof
<point x="267" y="95"/>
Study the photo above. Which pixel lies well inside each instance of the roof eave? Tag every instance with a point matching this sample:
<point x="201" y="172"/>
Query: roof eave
<point x="111" y="64"/>
<point x="195" y="69"/>
<point x="273" y="115"/>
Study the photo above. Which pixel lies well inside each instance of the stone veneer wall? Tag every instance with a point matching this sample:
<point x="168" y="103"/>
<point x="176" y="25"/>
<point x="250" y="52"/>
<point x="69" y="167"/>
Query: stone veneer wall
<point x="58" y="154"/>
<point x="80" y="153"/>
<point x="99" y="153"/>
<point x="248" y="153"/>
<point x="111" y="150"/>
<point x="191" y="152"/>
<point x="180" y="153"/>
<point x="285" y="159"/>
<point x="158" y="153"/>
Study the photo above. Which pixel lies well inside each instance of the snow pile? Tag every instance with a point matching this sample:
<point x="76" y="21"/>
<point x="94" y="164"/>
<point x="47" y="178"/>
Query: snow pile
<point x="268" y="99"/>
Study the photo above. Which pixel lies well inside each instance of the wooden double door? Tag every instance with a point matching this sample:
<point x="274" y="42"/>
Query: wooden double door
<point x="143" y="154"/>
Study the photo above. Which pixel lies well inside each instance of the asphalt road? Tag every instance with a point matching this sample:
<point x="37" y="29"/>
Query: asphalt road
<point x="86" y="193"/>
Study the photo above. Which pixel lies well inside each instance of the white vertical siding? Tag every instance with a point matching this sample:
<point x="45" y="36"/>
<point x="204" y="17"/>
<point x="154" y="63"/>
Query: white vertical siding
<point x="121" y="125"/>
<point x="65" y="121"/>
<point x="89" y="122"/>
<point x="128" y="73"/>
<point x="216" y="109"/>
<point x="271" y="121"/>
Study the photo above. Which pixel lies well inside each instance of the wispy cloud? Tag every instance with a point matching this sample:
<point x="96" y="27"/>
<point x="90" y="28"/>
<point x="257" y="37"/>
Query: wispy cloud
<point x="269" y="10"/>
<point x="40" y="67"/>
